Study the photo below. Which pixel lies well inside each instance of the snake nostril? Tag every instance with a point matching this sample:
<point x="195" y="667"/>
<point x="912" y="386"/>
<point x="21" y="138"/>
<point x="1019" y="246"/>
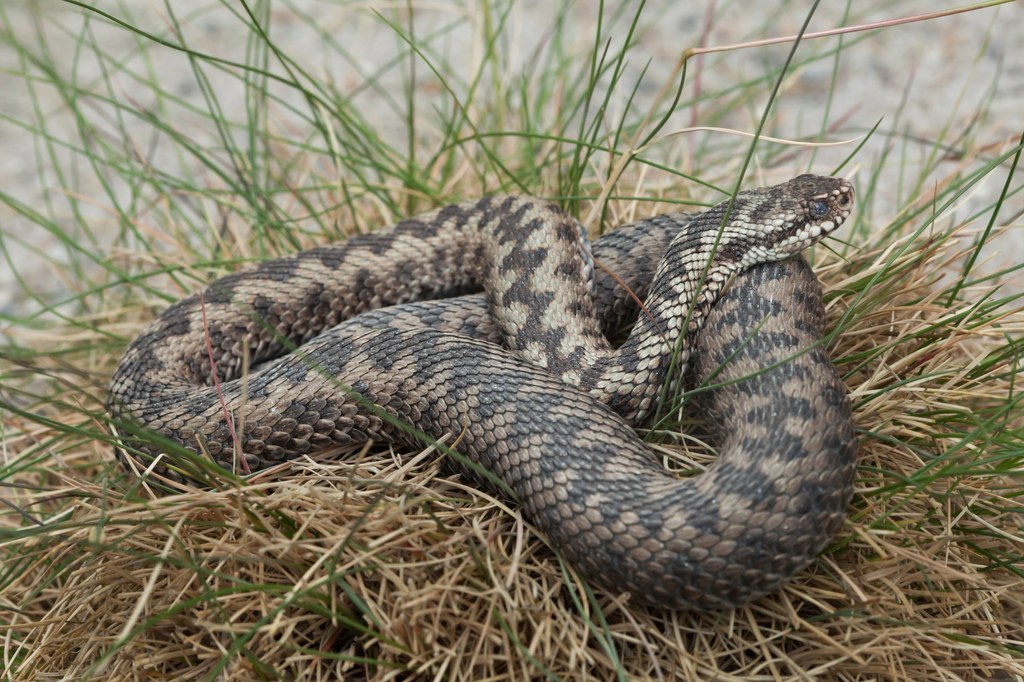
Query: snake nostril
<point x="845" y="198"/>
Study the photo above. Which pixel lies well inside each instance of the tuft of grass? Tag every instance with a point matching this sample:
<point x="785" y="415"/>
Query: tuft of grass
<point x="379" y="564"/>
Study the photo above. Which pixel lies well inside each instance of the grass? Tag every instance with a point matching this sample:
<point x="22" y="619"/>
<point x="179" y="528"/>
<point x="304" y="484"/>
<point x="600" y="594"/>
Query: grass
<point x="380" y="564"/>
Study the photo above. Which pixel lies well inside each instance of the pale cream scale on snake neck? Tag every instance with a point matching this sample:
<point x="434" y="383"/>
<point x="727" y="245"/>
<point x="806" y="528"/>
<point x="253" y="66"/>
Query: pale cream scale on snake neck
<point x="550" y="417"/>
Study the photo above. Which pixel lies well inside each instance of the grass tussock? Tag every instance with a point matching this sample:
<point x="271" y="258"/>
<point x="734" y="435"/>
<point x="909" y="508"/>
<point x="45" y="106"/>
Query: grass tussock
<point x="377" y="564"/>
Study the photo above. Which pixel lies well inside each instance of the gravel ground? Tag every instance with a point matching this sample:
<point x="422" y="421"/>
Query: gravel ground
<point x="926" y="80"/>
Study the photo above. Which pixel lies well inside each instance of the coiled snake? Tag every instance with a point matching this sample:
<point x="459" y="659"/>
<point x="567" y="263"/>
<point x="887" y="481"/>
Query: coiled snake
<point x="769" y="504"/>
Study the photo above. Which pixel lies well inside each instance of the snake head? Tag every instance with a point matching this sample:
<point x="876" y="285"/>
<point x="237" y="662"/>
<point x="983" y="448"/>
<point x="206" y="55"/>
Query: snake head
<point x="800" y="212"/>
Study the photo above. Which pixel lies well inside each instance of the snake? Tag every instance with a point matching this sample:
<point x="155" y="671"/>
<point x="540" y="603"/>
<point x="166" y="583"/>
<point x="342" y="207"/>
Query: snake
<point x="488" y="323"/>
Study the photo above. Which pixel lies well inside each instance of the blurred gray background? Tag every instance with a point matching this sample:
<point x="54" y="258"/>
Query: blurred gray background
<point x="926" y="80"/>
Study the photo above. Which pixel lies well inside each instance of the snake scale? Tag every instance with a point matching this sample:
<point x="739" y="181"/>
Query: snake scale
<point x="375" y="348"/>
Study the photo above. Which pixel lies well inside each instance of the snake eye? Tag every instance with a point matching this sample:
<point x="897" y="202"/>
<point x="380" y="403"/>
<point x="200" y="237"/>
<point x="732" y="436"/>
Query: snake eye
<point x="818" y="208"/>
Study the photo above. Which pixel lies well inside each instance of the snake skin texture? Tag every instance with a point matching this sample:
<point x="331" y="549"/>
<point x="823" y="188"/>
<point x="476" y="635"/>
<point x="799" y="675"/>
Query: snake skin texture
<point x="373" y="353"/>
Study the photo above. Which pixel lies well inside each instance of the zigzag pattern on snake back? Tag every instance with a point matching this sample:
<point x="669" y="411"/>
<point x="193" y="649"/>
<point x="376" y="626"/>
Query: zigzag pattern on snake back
<point x="739" y="530"/>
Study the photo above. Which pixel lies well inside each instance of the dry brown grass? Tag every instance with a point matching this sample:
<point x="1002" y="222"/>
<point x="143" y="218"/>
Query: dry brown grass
<point x="379" y="566"/>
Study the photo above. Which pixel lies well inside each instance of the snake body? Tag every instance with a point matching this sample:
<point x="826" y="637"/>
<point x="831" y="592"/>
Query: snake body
<point x="372" y="356"/>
